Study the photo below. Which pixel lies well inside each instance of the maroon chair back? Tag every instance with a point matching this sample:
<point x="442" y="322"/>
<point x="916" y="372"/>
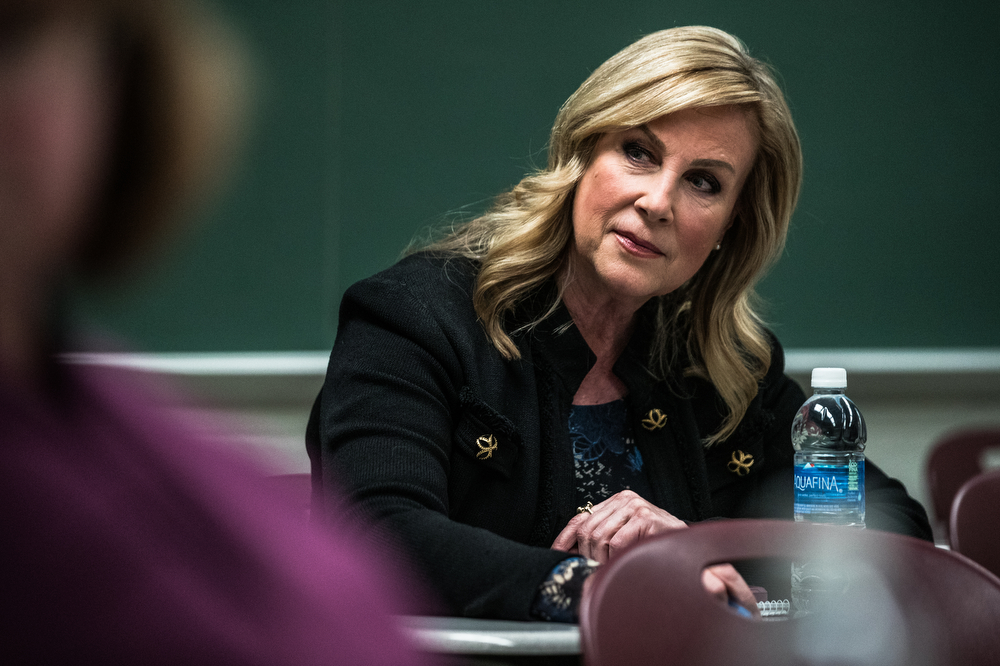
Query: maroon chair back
<point x="975" y="520"/>
<point x="953" y="460"/>
<point x="910" y="603"/>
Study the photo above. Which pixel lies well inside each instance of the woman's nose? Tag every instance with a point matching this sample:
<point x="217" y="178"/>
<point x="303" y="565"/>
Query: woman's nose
<point x="656" y="203"/>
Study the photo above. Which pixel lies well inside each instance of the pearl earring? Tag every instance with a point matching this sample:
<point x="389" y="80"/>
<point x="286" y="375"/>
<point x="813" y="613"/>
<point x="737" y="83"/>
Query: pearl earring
<point x="718" y="246"/>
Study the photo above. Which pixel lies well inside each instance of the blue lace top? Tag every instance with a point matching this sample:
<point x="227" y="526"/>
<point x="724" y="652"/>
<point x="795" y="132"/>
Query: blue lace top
<point x="605" y="457"/>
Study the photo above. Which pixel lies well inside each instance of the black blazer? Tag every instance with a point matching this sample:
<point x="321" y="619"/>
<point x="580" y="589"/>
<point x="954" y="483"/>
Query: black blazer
<point x="465" y="457"/>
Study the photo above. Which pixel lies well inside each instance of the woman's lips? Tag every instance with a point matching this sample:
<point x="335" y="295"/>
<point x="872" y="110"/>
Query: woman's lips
<point x="636" y="246"/>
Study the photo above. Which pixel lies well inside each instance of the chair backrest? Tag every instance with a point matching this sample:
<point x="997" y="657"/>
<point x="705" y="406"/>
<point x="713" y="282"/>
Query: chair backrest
<point x="910" y="603"/>
<point x="975" y="520"/>
<point x="953" y="460"/>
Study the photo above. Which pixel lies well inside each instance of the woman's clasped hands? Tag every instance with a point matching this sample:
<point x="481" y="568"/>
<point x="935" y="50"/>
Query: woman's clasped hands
<point x="625" y="518"/>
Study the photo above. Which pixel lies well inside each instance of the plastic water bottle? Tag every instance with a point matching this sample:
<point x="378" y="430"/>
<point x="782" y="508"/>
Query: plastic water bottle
<point x="829" y="436"/>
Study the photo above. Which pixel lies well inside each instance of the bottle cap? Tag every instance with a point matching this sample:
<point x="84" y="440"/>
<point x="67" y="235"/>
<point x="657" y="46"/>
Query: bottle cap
<point x="829" y="378"/>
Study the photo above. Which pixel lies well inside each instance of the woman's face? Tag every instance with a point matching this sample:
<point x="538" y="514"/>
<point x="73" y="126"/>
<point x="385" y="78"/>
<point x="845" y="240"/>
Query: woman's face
<point x="656" y="199"/>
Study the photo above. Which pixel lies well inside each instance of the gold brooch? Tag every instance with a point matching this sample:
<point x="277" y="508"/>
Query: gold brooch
<point x="740" y="466"/>
<point x="654" y="420"/>
<point x="487" y="445"/>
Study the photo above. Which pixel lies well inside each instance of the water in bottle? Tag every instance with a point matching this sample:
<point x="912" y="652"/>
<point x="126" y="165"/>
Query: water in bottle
<point x="829" y="435"/>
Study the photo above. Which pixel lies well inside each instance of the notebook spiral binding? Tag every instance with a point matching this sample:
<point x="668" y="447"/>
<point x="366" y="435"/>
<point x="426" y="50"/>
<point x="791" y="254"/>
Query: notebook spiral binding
<point x="774" y="608"/>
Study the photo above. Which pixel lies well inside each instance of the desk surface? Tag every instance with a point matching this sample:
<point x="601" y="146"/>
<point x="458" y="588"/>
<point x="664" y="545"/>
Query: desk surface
<point x="470" y="636"/>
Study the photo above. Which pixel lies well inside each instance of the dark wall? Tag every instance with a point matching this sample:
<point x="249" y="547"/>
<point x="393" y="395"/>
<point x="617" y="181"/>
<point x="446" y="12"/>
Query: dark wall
<point x="375" y="120"/>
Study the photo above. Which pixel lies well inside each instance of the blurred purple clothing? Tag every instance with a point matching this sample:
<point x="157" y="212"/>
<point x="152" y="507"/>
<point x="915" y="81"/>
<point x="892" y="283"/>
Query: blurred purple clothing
<point x="125" y="539"/>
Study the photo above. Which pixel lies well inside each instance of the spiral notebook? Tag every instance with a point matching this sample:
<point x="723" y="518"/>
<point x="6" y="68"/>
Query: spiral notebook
<point x="776" y="608"/>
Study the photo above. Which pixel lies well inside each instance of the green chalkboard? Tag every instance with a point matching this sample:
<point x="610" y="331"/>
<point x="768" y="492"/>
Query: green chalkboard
<point x="375" y="120"/>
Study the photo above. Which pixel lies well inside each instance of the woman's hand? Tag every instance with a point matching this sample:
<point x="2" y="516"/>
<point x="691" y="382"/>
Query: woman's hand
<point x="625" y="518"/>
<point x="615" y="523"/>
<point x="723" y="582"/>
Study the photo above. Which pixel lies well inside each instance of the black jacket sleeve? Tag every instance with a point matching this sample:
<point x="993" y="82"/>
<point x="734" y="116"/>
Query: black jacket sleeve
<point x="387" y="421"/>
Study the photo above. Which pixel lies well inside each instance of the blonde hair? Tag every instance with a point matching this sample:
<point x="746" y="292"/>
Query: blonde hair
<point x="523" y="240"/>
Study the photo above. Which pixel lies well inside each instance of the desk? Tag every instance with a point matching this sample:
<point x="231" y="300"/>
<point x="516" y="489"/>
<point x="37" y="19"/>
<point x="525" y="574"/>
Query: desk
<point x="496" y="641"/>
<point x="503" y="641"/>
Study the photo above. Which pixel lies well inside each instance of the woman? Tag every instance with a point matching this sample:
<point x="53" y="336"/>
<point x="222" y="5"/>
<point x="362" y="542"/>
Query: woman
<point x="128" y="538"/>
<point x="581" y="367"/>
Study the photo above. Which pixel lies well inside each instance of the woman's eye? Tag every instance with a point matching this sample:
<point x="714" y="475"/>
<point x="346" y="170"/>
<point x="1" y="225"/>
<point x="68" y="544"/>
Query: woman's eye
<point x="636" y="153"/>
<point x="705" y="183"/>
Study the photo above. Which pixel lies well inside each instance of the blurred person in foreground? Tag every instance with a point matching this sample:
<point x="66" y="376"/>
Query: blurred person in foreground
<point x="125" y="538"/>
<point x="582" y="367"/>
